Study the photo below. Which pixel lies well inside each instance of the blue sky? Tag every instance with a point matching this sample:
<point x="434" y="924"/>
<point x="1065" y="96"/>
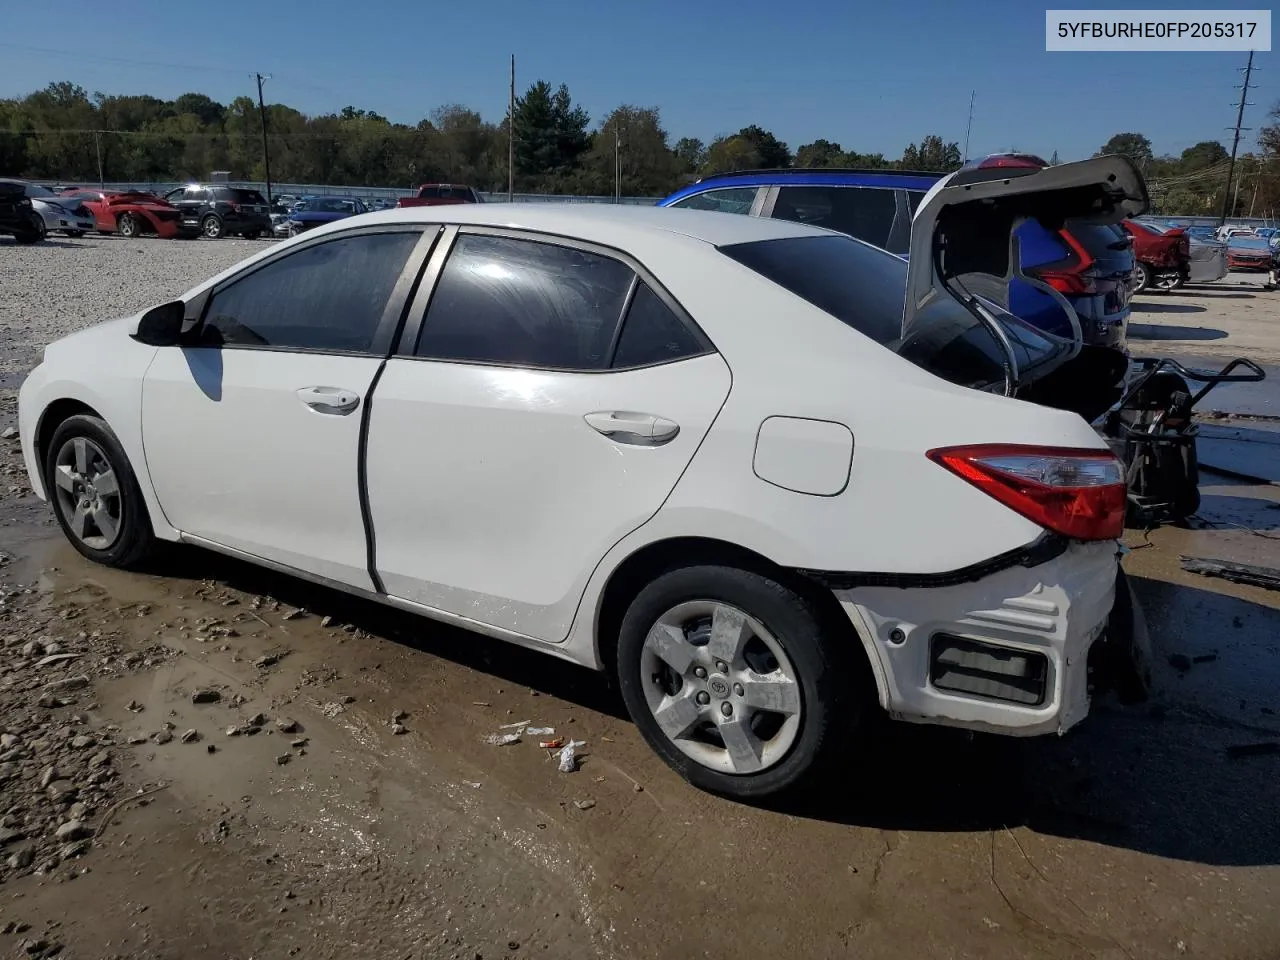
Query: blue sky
<point x="871" y="76"/>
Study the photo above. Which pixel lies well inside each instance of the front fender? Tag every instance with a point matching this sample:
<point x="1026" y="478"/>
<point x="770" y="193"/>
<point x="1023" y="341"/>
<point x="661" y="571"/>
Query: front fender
<point x="113" y="391"/>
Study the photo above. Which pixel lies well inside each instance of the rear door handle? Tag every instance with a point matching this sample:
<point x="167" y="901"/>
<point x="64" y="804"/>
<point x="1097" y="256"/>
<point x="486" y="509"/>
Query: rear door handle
<point x="638" y="429"/>
<point x="330" y="400"/>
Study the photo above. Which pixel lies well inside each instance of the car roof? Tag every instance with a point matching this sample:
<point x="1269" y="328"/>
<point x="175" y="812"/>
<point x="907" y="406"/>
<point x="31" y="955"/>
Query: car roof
<point x="605" y="223"/>
<point x="814" y="176"/>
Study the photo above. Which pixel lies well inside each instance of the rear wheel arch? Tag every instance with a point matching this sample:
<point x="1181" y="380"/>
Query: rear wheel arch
<point x="654" y="559"/>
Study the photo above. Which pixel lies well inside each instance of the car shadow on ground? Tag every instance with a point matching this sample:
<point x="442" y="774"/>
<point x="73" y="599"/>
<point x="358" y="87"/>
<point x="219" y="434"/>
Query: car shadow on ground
<point x="1147" y="306"/>
<point x="1149" y="331"/>
<point x="1154" y="777"/>
<point x="1220" y="293"/>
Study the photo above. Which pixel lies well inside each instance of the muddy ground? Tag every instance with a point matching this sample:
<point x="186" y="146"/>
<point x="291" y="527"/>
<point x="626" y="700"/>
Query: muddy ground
<point x="297" y="820"/>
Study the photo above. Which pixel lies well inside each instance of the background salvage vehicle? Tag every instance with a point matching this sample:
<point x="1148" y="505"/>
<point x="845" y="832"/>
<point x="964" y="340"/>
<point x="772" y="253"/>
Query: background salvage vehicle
<point x="17" y="215"/>
<point x="312" y="211"/>
<point x="1163" y="256"/>
<point x="609" y="459"/>
<point x="129" y="213"/>
<point x="215" y="210"/>
<point x="58" y="215"/>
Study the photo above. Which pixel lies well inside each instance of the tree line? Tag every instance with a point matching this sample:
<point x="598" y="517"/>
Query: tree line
<point x="1194" y="183"/>
<point x="64" y="133"/>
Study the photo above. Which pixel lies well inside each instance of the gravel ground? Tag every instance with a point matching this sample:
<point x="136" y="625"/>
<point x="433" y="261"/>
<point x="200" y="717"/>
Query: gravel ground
<point x="54" y="288"/>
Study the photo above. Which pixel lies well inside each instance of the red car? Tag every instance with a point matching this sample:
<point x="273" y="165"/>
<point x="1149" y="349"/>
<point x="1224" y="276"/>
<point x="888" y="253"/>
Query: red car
<point x="130" y="213"/>
<point x="1163" y="259"/>
<point x="440" y="194"/>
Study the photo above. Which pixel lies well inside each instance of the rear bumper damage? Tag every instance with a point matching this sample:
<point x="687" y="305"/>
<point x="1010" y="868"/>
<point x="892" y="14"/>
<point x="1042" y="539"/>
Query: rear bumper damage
<point x="1006" y="653"/>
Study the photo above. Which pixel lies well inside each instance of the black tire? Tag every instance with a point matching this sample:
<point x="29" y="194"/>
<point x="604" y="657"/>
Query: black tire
<point x="75" y="234"/>
<point x="135" y="538"/>
<point x="1146" y="277"/>
<point x="127" y="226"/>
<point x="833" y="699"/>
<point x="211" y="226"/>
<point x="253" y="235"/>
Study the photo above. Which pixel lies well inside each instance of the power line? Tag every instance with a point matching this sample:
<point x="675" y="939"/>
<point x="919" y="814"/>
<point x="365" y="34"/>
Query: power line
<point x="1227" y="203"/>
<point x="972" y="96"/>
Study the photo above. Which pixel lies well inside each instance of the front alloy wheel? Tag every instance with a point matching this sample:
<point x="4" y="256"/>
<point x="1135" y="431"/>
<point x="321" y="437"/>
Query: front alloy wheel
<point x="88" y="493"/>
<point x="127" y="225"/>
<point x="95" y="494"/>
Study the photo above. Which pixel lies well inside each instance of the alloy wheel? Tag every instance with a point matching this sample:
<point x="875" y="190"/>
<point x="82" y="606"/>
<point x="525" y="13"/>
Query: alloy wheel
<point x="88" y="492"/>
<point x="721" y="687"/>
<point x="127" y="226"/>
<point x="212" y="228"/>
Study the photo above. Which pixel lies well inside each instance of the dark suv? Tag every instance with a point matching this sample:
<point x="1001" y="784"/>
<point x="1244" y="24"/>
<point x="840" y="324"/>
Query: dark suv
<point x="216" y="210"/>
<point x="17" y="216"/>
<point x="1091" y="266"/>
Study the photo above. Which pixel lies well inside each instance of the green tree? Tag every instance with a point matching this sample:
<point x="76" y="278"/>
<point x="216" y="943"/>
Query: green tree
<point x="730" y="153"/>
<point x="820" y="153"/>
<point x="648" y="166"/>
<point x="1206" y="153"/>
<point x="1132" y="145"/>
<point x="932" y="154"/>
<point x="692" y="154"/>
<point x="550" y="135"/>
<point x="771" y="151"/>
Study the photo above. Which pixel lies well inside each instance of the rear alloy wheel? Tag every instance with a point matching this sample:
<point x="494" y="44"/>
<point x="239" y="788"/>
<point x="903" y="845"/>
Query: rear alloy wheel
<point x="127" y="225"/>
<point x="731" y="680"/>
<point x="211" y="226"/>
<point x="95" y="494"/>
<point x="1145" y="278"/>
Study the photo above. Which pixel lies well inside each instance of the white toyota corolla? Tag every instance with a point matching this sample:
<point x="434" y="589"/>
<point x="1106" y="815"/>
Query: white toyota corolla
<point x="701" y="451"/>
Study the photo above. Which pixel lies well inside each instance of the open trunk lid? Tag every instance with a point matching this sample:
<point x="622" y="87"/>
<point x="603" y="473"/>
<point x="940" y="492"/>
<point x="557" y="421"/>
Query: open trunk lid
<point x="963" y="228"/>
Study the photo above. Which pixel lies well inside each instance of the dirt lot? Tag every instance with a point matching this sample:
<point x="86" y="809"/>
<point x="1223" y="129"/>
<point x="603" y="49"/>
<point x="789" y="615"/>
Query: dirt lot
<point x="287" y="815"/>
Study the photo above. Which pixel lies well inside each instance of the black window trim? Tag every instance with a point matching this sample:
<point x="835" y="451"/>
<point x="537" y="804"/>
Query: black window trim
<point x="393" y="314"/>
<point x="417" y="310"/>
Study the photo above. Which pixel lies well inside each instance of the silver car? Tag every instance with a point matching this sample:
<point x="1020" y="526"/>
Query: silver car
<point x="58" y="214"/>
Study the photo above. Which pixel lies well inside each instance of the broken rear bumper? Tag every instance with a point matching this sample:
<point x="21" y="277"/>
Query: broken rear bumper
<point x="1007" y="653"/>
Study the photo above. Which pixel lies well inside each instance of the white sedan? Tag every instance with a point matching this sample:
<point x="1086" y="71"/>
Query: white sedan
<point x="681" y="446"/>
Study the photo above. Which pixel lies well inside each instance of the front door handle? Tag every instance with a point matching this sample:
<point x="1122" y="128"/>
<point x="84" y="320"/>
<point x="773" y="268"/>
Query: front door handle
<point x="330" y="400"/>
<point x="639" y="429"/>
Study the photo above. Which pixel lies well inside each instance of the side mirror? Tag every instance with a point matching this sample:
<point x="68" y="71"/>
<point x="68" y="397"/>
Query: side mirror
<point x="162" y="326"/>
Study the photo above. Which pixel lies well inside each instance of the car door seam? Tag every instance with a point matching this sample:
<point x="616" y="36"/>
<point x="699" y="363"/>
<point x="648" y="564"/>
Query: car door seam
<point x="362" y="480"/>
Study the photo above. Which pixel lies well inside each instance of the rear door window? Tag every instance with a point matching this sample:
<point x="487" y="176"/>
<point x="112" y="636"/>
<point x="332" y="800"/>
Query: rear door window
<point x="653" y="333"/>
<point x="240" y="195"/>
<point x="863" y="212"/>
<point x="514" y="301"/>
<point x="726" y="200"/>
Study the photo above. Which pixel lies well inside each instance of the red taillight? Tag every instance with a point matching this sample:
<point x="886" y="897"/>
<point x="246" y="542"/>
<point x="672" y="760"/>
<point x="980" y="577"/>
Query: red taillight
<point x="1077" y="493"/>
<point x="1073" y="276"/>
<point x="1019" y="160"/>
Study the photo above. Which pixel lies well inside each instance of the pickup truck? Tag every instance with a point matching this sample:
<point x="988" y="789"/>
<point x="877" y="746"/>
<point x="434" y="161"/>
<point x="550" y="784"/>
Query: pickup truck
<point x="439" y="194"/>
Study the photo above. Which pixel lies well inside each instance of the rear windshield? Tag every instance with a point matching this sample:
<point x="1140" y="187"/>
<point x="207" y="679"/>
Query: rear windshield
<point x="856" y="283"/>
<point x="1096" y="237"/>
<point x="240" y="195"/>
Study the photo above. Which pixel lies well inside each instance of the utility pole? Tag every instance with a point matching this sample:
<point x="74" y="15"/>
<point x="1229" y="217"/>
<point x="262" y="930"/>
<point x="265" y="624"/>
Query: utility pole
<point x="266" y="154"/>
<point x="511" y="136"/>
<point x="972" y="96"/>
<point x="1256" y="177"/>
<point x="97" y="146"/>
<point x="1235" y="143"/>
<point x="617" y="162"/>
